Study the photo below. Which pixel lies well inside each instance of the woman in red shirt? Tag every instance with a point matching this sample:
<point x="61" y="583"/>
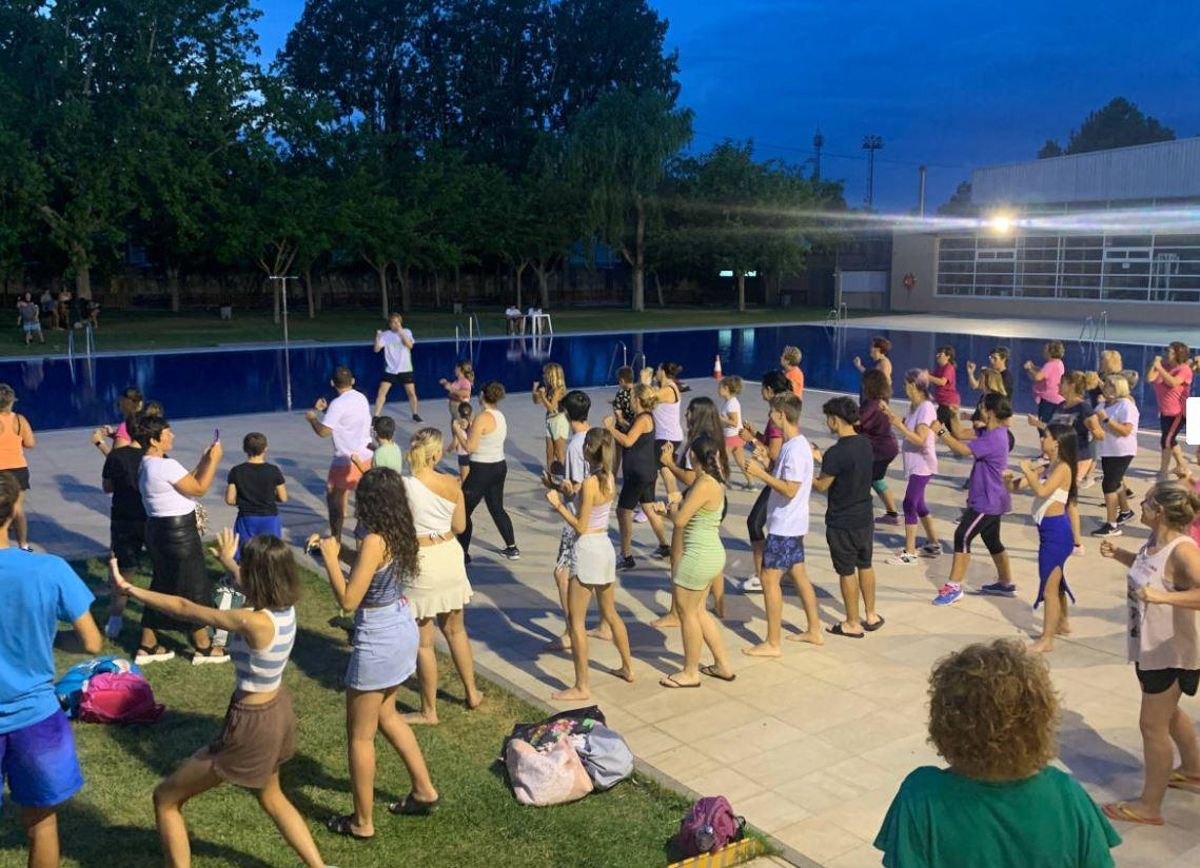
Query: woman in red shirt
<point x="945" y="379"/>
<point x="1172" y="381"/>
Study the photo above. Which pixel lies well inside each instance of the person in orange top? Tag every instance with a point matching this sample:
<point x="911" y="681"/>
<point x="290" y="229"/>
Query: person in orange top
<point x="16" y="436"/>
<point x="790" y="362"/>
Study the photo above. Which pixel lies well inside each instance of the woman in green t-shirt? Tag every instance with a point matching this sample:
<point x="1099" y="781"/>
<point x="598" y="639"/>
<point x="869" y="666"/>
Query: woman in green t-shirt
<point x="993" y="716"/>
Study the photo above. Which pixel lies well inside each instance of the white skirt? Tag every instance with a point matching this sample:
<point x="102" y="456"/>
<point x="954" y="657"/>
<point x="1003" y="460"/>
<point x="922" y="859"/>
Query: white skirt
<point x="595" y="561"/>
<point x="442" y="585"/>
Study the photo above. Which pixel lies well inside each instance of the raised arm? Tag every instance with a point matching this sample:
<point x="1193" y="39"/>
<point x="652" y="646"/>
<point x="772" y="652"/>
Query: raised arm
<point x="578" y="522"/>
<point x="1044" y="488"/>
<point x="953" y="443"/>
<point x="197" y="483"/>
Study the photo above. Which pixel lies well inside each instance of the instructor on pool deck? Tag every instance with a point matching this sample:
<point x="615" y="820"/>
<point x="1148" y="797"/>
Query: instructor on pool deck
<point x="396" y="344"/>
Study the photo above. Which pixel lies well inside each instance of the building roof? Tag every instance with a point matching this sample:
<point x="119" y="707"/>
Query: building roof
<point x="1141" y="173"/>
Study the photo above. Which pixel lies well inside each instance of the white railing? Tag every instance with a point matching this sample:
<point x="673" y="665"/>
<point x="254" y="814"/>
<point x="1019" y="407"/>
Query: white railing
<point x="89" y="342"/>
<point x="1093" y="338"/>
<point x="835" y="329"/>
<point x="612" y="361"/>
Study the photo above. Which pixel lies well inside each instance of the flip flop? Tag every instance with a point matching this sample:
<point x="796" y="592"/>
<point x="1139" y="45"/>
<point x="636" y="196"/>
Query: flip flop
<point x="871" y="628"/>
<point x="411" y="806"/>
<point x="837" y="630"/>
<point x="1180" y="781"/>
<point x="340" y="825"/>
<point x="670" y="683"/>
<point x="711" y="672"/>
<point x="1120" y="811"/>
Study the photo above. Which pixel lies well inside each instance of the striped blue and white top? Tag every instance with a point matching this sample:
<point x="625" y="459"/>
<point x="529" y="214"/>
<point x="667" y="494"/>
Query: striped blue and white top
<point x="262" y="671"/>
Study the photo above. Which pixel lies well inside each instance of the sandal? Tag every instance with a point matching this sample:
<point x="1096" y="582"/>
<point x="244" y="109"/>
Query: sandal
<point x="340" y="825"/>
<point x="670" y="682"/>
<point x="157" y="654"/>
<point x="211" y="654"/>
<point x="1181" y="781"/>
<point x="837" y="630"/>
<point x="411" y="806"/>
<point x="871" y="628"/>
<point x="711" y="672"/>
<point x="1120" y="811"/>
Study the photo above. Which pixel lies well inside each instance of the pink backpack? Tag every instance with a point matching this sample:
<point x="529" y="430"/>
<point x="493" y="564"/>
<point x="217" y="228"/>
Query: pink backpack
<point x="119" y="697"/>
<point x="709" y="825"/>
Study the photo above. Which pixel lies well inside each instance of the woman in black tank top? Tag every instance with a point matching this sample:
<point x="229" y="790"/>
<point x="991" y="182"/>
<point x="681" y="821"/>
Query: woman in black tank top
<point x="640" y="470"/>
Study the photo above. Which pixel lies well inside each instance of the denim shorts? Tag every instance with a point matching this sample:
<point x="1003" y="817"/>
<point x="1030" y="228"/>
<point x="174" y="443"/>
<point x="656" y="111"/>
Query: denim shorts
<point x="783" y="552"/>
<point x="39" y="763"/>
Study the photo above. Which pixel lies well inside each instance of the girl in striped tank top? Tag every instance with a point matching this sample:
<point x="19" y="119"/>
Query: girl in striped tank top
<point x="259" y="733"/>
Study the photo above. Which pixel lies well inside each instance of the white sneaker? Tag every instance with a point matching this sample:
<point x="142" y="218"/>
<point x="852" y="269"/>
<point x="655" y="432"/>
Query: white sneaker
<point x="113" y="628"/>
<point x="154" y="655"/>
<point x="640" y="516"/>
<point x="1087" y="482"/>
<point x="210" y="656"/>
<point x="904" y="559"/>
<point x="751" y="585"/>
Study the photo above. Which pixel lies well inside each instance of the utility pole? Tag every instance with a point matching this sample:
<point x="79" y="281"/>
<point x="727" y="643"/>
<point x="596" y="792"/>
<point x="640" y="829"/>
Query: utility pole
<point x="282" y="282"/>
<point x="871" y="144"/>
<point x="818" y="143"/>
<point x="921" y="193"/>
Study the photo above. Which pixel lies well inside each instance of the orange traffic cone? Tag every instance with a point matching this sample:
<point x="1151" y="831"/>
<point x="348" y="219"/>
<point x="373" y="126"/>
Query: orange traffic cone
<point x="717" y="375"/>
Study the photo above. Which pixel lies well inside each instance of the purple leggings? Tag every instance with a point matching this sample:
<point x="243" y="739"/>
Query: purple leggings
<point x="914" y="499"/>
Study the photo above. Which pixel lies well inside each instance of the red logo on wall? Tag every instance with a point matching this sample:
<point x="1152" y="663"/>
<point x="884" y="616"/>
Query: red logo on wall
<point x="910" y="280"/>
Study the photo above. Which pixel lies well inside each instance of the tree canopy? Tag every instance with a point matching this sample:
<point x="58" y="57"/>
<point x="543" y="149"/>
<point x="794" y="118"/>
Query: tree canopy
<point x="1117" y="125"/>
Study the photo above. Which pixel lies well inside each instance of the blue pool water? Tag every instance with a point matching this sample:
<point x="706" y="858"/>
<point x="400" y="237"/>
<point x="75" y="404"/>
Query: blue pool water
<point x="55" y="393"/>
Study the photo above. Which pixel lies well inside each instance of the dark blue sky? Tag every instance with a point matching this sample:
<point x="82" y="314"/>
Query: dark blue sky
<point x="952" y="85"/>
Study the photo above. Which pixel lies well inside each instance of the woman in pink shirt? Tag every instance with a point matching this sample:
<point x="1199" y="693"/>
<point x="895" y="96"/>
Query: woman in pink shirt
<point x="1046" y="380"/>
<point x="945" y="379"/>
<point x="1172" y="381"/>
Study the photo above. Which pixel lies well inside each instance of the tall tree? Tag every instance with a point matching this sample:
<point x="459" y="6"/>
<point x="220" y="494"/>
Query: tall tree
<point x="959" y="204"/>
<point x="1119" y="124"/>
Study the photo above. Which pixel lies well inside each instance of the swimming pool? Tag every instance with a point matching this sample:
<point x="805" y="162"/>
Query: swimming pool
<point x="56" y="393"/>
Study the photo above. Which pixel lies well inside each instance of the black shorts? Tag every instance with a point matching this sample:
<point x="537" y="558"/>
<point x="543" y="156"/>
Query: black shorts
<point x="658" y="445"/>
<point x="973" y="524"/>
<point x="850" y="550"/>
<point x="21" y="474"/>
<point x="635" y="490"/>
<point x="1114" y="468"/>
<point x="1169" y="428"/>
<point x="1160" y="680"/>
<point x="464" y="460"/>
<point x="404" y="378"/>
<point x="127" y="540"/>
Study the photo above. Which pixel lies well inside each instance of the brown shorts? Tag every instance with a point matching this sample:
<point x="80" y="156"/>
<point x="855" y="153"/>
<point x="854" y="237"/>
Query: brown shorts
<point x="254" y="742"/>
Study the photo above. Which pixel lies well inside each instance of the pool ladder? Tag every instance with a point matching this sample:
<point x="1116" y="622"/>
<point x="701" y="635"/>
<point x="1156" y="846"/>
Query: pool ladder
<point x="612" y="361"/>
<point x="89" y="342"/>
<point x="835" y="329"/>
<point x="1093" y="338"/>
<point x="474" y="332"/>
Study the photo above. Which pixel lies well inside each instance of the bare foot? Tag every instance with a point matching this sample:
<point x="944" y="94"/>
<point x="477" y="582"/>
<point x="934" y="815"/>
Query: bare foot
<point x="420" y="718"/>
<point x="668" y="620"/>
<point x="1042" y="646"/>
<point x="572" y="694"/>
<point x="473" y="702"/>
<point x="1064" y="629"/>
<point x="562" y="643"/>
<point x="603" y="633"/>
<point x="763" y="650"/>
<point x="813" y="638"/>
<point x="625" y="673"/>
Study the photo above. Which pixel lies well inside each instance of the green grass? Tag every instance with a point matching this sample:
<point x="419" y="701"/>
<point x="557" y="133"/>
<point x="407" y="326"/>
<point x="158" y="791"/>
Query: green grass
<point x="157" y="330"/>
<point x="111" y="821"/>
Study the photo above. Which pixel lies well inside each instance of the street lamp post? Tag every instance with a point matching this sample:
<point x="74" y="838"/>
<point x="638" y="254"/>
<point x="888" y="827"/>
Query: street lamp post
<point x="287" y="355"/>
<point x="871" y="144"/>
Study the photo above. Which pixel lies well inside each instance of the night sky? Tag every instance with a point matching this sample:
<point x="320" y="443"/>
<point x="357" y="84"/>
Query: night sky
<point x="951" y="85"/>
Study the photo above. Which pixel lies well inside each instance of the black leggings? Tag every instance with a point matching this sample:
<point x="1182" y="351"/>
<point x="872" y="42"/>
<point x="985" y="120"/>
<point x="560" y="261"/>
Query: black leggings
<point x="756" y="522"/>
<point x="486" y="482"/>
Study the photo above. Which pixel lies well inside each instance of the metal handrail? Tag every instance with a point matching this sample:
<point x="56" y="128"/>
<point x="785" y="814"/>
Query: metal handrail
<point x="635" y="358"/>
<point x="612" y="360"/>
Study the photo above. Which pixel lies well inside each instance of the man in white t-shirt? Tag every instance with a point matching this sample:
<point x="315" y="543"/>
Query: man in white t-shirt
<point x="348" y="421"/>
<point x="514" y="320"/>
<point x="576" y="405"/>
<point x="396" y="345"/>
<point x="787" y="523"/>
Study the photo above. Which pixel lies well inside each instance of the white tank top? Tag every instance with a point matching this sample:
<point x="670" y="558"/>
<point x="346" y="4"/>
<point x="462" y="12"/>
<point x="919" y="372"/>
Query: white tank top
<point x="1160" y="636"/>
<point x="262" y="671"/>
<point x="431" y="513"/>
<point x="491" y="446"/>
<point x="598" y="519"/>
<point x="1041" y="505"/>
<point x="666" y="419"/>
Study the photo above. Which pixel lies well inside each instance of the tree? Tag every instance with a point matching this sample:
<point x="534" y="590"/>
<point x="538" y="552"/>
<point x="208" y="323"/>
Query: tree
<point x="617" y="155"/>
<point x="1119" y="124"/>
<point x="959" y="204"/>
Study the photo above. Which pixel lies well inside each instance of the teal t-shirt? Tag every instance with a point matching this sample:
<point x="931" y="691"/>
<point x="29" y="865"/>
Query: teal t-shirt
<point x="941" y="819"/>
<point x="388" y="455"/>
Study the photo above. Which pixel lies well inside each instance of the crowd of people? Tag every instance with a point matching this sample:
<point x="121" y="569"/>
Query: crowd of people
<point x="404" y="571"/>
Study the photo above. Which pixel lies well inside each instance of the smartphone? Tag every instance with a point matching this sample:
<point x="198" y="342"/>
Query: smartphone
<point x="216" y="436"/>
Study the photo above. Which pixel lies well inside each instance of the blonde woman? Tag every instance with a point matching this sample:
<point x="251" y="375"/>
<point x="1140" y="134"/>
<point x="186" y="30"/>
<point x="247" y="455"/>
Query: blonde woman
<point x="548" y="393"/>
<point x="16" y="435"/>
<point x="1163" y="580"/>
<point x="440" y="590"/>
<point x="593" y="568"/>
<point x="1118" y="417"/>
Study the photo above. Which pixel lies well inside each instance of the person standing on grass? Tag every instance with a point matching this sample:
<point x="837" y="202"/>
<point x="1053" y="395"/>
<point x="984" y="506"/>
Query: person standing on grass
<point x="1119" y="418"/>
<point x="347" y="422"/>
<point x="987" y="500"/>
<point x="789" y="482"/>
<point x="259" y="732"/>
<point x="918" y="453"/>
<point x="639" y="474"/>
<point x="993" y="716"/>
<point x="944" y="377"/>
<point x="127" y="516"/>
<point x="998" y="362"/>
<point x="440" y="590"/>
<point x="170" y="494"/>
<point x="396" y="345"/>
<point x="256" y="488"/>
<point x="774" y="384"/>
<point x="29" y="317"/>
<point x="37" y="748"/>
<point x="592" y="567"/>
<point x="1172" y="381"/>
<point x="846" y="472"/>
<point x="789" y="362"/>
<point x="875" y="425"/>
<point x="576" y="406"/>
<point x="1047" y="378"/>
<point x="484" y="441"/>
<point x="16" y="435"/>
<point x="1164" y="591"/>
<point x="697" y="518"/>
<point x="386" y="643"/>
<point x="1053" y="491"/>
<point x="880" y="347"/>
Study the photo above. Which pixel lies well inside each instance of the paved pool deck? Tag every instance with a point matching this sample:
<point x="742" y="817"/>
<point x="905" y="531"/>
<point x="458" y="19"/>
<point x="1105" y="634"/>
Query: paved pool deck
<point x="1066" y="330"/>
<point x="810" y="747"/>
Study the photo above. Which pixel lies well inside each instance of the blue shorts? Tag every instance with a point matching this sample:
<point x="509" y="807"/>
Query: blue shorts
<point x="783" y="552"/>
<point x="248" y="526"/>
<point x="39" y="763"/>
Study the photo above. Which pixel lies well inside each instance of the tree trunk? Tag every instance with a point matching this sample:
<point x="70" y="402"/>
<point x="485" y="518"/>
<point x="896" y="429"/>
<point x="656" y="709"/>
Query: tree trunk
<point x="639" y="257"/>
<point x="519" y="272"/>
<point x="319" y="298"/>
<point x="275" y="296"/>
<point x="308" y="293"/>
<point x="458" y="296"/>
<point x="437" y="289"/>
<point x="741" y="285"/>
<point x="404" y="275"/>
<point x="173" y="287"/>
<point x="381" y="270"/>
<point x="83" y="272"/>
<point x="658" y="289"/>
<point x="539" y="268"/>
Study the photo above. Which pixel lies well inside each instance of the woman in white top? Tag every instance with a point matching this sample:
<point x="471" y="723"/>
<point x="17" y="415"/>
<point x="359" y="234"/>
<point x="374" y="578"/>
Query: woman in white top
<point x="1164" y="589"/>
<point x="668" y="424"/>
<point x="169" y="493"/>
<point x="259" y="733"/>
<point x="484" y="440"/>
<point x="1118" y="417"/>
<point x="593" y="565"/>
<point x="441" y="589"/>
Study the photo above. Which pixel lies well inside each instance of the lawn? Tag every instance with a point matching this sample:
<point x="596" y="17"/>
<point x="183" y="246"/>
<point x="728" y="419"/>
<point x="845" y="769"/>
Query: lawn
<point x="157" y="330"/>
<point x="111" y="821"/>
